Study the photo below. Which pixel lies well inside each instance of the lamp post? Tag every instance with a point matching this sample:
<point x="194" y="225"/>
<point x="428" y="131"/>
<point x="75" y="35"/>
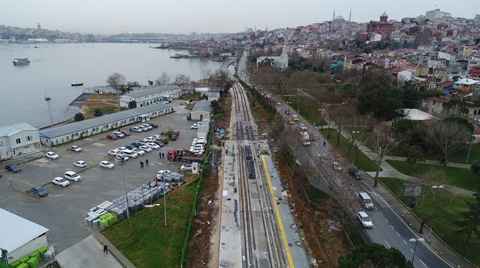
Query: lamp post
<point x="122" y="162"/>
<point x="415" y="240"/>
<point x="434" y="190"/>
<point x="165" y="201"/>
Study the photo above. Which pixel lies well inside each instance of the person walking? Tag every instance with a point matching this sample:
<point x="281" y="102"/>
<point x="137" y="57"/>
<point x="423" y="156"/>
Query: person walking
<point x="160" y="155"/>
<point x="141" y="164"/>
<point x="146" y="162"/>
<point x="324" y="143"/>
<point x="105" y="249"/>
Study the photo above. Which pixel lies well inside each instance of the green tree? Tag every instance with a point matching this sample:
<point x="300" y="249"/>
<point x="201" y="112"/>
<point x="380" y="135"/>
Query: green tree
<point x="79" y="117"/>
<point x="410" y="97"/>
<point x="132" y="104"/>
<point x="470" y="222"/>
<point x="383" y="101"/>
<point x="97" y="113"/>
<point x="373" y="255"/>
<point x="413" y="154"/>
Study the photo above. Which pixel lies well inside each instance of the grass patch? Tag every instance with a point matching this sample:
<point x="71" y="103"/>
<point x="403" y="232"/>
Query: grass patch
<point x="194" y="97"/>
<point x="106" y="102"/>
<point x="364" y="163"/>
<point x="448" y="209"/>
<point x="458" y="157"/>
<point x="458" y="177"/>
<point x="309" y="109"/>
<point x="148" y="243"/>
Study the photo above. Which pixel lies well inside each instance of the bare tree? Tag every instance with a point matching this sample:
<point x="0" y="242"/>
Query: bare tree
<point x="358" y="128"/>
<point x="163" y="80"/>
<point x="449" y="137"/>
<point x="387" y="140"/>
<point x="117" y="81"/>
<point x="206" y="74"/>
<point x="182" y="81"/>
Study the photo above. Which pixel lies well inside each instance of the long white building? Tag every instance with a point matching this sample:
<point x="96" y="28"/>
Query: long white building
<point x="74" y="131"/>
<point x="18" y="140"/>
<point x="150" y="96"/>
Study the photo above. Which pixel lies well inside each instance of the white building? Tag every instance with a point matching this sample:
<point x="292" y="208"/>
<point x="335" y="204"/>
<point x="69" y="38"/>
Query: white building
<point x="200" y="110"/>
<point x="18" y="140"/>
<point x="403" y="77"/>
<point x="19" y="236"/>
<point x="279" y="62"/>
<point x="74" y="131"/>
<point x="417" y="115"/>
<point x="150" y="96"/>
<point x="437" y="14"/>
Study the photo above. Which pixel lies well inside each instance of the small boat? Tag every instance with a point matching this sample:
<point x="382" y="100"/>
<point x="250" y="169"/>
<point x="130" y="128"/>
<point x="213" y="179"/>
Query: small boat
<point x="77" y="84"/>
<point x="20" y="61"/>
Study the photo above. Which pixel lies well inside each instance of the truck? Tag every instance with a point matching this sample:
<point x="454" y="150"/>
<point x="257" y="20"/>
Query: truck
<point x="305" y="138"/>
<point x="183" y="155"/>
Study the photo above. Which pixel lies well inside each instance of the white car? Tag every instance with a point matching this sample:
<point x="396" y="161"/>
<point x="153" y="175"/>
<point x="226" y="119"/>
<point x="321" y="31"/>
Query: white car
<point x="80" y="164"/>
<point x="364" y="219"/>
<point x="145" y="148"/>
<point x="163" y="172"/>
<point x="186" y="167"/>
<point x="139" y="151"/>
<point x="75" y="148"/>
<point x="114" y="152"/>
<point x="52" y="155"/>
<point x="337" y="166"/>
<point x="121" y="149"/>
<point x="130" y="154"/>
<point x="303" y="127"/>
<point x="148" y="139"/>
<point x="194" y="126"/>
<point x="137" y="129"/>
<point x="60" y="182"/>
<point x="119" y="135"/>
<point x="107" y="164"/>
<point x="153" y="145"/>
<point x="72" y="176"/>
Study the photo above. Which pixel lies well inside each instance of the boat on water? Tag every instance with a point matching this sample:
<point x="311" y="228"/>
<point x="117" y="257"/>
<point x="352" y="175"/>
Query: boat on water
<point x="21" y="61"/>
<point x="179" y="56"/>
<point x="77" y="84"/>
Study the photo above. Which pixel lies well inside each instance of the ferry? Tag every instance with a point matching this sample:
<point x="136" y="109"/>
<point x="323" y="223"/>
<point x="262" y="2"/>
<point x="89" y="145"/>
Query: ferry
<point x="77" y="84"/>
<point x="21" y="61"/>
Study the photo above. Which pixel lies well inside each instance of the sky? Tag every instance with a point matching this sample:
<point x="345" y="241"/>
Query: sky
<point x="213" y="16"/>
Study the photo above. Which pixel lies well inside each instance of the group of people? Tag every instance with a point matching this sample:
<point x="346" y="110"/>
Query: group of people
<point x="141" y="163"/>
<point x="161" y="155"/>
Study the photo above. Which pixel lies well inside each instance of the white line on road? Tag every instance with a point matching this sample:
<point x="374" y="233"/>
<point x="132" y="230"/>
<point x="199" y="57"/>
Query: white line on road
<point x="398" y="234"/>
<point x="381" y="214"/>
<point x="386" y="219"/>
<point x="411" y="250"/>
<point x="423" y="263"/>
<point x="392" y="226"/>
<point x="405" y="242"/>
<point x="388" y="245"/>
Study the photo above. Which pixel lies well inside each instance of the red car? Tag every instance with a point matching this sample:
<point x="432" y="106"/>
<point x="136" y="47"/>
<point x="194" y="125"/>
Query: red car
<point x="125" y="133"/>
<point x="111" y="137"/>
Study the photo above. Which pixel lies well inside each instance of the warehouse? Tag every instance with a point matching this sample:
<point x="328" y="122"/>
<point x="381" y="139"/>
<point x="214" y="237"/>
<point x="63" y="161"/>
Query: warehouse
<point x="200" y="110"/>
<point x="150" y="96"/>
<point x="20" y="237"/>
<point x="18" y="140"/>
<point x="66" y="133"/>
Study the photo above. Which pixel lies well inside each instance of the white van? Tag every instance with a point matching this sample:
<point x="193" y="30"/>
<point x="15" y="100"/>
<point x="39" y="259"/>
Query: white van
<point x="366" y="200"/>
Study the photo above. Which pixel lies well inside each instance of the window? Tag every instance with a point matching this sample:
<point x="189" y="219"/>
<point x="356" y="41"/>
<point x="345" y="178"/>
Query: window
<point x="1" y="143"/>
<point x="18" y="141"/>
<point x="29" y="138"/>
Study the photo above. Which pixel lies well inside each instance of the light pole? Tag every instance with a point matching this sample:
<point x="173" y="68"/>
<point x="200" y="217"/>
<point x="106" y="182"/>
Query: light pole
<point x="121" y="161"/>
<point x="471" y="142"/>
<point x="434" y="190"/>
<point x="415" y="240"/>
<point x="48" y="99"/>
<point x="165" y="201"/>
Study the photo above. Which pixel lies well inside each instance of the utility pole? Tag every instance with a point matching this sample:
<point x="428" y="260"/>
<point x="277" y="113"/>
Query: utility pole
<point x="48" y="99"/>
<point x="471" y="142"/>
<point x="125" y="188"/>
<point x="165" y="201"/>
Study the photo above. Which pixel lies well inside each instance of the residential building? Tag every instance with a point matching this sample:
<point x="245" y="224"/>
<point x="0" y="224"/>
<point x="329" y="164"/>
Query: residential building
<point x="150" y="96"/>
<point x="437" y="14"/>
<point x="74" y="131"/>
<point x="465" y="85"/>
<point x="279" y="62"/>
<point x="475" y="72"/>
<point x="18" y="140"/>
<point x="417" y="69"/>
<point x="404" y="76"/>
<point x="201" y="110"/>
<point x="469" y="50"/>
<point x="19" y="236"/>
<point x="436" y="105"/>
<point x="382" y="27"/>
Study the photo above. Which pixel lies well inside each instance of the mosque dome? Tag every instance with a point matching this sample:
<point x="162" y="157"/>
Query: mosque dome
<point x="339" y="18"/>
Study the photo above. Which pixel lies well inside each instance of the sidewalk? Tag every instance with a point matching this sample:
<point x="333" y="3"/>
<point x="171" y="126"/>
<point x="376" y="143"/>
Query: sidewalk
<point x="430" y="162"/>
<point x="111" y="248"/>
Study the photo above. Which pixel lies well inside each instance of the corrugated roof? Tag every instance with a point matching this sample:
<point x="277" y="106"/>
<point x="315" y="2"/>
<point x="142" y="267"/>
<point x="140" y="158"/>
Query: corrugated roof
<point x="17" y="231"/>
<point x="100" y="121"/>
<point x="203" y="106"/>
<point x="9" y="130"/>
<point x="151" y="91"/>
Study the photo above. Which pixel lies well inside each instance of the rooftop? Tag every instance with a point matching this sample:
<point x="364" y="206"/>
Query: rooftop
<point x="466" y="81"/>
<point x="155" y="90"/>
<point x="10" y="130"/>
<point x="417" y="115"/>
<point x="17" y="231"/>
<point x="201" y="106"/>
<point x="100" y="121"/>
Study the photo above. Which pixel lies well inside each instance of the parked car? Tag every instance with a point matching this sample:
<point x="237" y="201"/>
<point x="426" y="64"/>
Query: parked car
<point x="163" y="172"/>
<point x="153" y="125"/>
<point x="60" y="182"/>
<point x="137" y="129"/>
<point x="113" y="152"/>
<point x="364" y="220"/>
<point x="153" y="145"/>
<point x="139" y="151"/>
<point x="80" y="164"/>
<point x="107" y="164"/>
<point x="145" y="148"/>
<point x="173" y="138"/>
<point x="122" y="157"/>
<point x="186" y="167"/>
<point x="125" y="133"/>
<point x="130" y="147"/>
<point x="40" y="191"/>
<point x="72" y="176"/>
<point x="303" y="127"/>
<point x="75" y="148"/>
<point x="130" y="154"/>
<point x="112" y="137"/>
<point x="355" y="173"/>
<point x="194" y="126"/>
<point x="52" y="155"/>
<point x="118" y="134"/>
<point x="336" y="165"/>
<point x="135" y="144"/>
<point x="147" y="126"/>
<point x="13" y="168"/>
<point x="159" y="143"/>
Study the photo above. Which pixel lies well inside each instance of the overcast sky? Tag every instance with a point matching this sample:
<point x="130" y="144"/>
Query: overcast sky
<point x="186" y="16"/>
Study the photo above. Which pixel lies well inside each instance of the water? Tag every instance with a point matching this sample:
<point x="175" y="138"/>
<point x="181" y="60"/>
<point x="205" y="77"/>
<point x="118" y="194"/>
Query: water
<point x="53" y="67"/>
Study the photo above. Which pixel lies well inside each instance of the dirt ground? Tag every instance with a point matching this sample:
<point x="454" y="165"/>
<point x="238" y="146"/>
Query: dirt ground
<point x="106" y="102"/>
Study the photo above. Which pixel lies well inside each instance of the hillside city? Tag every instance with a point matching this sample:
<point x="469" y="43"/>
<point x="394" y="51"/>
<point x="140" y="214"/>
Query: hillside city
<point x="335" y="144"/>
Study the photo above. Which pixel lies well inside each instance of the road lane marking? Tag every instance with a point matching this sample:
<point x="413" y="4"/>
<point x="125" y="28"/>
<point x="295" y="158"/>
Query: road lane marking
<point x="277" y="213"/>
<point x="405" y="242"/>
<point x="423" y="263"/>
<point x="398" y="234"/>
<point x="386" y="219"/>
<point x="411" y="250"/>
<point x="392" y="226"/>
<point x="382" y="214"/>
<point x="388" y="245"/>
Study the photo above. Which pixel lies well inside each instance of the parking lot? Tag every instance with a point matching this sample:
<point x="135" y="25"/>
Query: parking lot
<point x="63" y="210"/>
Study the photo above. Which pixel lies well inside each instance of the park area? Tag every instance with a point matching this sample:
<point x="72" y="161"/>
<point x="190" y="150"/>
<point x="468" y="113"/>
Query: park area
<point x="147" y="242"/>
<point x="449" y="207"/>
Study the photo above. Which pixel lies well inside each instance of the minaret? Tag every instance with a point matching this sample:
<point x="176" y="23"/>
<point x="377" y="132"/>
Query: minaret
<point x="333" y="15"/>
<point x="350" y="17"/>
<point x="39" y="26"/>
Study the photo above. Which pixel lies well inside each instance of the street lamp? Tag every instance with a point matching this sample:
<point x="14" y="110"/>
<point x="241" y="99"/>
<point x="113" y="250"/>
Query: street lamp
<point x="122" y="162"/>
<point x="434" y="190"/>
<point x="415" y="240"/>
<point x="165" y="200"/>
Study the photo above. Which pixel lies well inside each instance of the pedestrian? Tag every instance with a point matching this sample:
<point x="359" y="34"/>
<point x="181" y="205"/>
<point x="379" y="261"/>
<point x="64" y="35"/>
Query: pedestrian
<point x="141" y="164"/>
<point x="160" y="155"/>
<point x="130" y="130"/>
<point x="324" y="144"/>
<point x="105" y="249"/>
<point x="146" y="162"/>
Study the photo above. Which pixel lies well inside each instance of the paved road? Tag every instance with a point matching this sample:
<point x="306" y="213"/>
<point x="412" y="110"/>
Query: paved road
<point x="389" y="229"/>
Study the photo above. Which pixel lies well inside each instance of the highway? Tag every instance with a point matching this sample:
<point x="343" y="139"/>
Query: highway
<point x="389" y="229"/>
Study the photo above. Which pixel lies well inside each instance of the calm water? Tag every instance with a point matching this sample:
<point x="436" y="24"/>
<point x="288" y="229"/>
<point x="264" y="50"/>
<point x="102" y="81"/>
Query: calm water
<point x="53" y="67"/>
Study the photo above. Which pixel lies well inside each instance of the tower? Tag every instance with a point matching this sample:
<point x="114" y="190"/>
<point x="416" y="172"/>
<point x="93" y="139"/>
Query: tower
<point x="384" y="17"/>
<point x="39" y="27"/>
<point x="350" y="16"/>
<point x="333" y="15"/>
